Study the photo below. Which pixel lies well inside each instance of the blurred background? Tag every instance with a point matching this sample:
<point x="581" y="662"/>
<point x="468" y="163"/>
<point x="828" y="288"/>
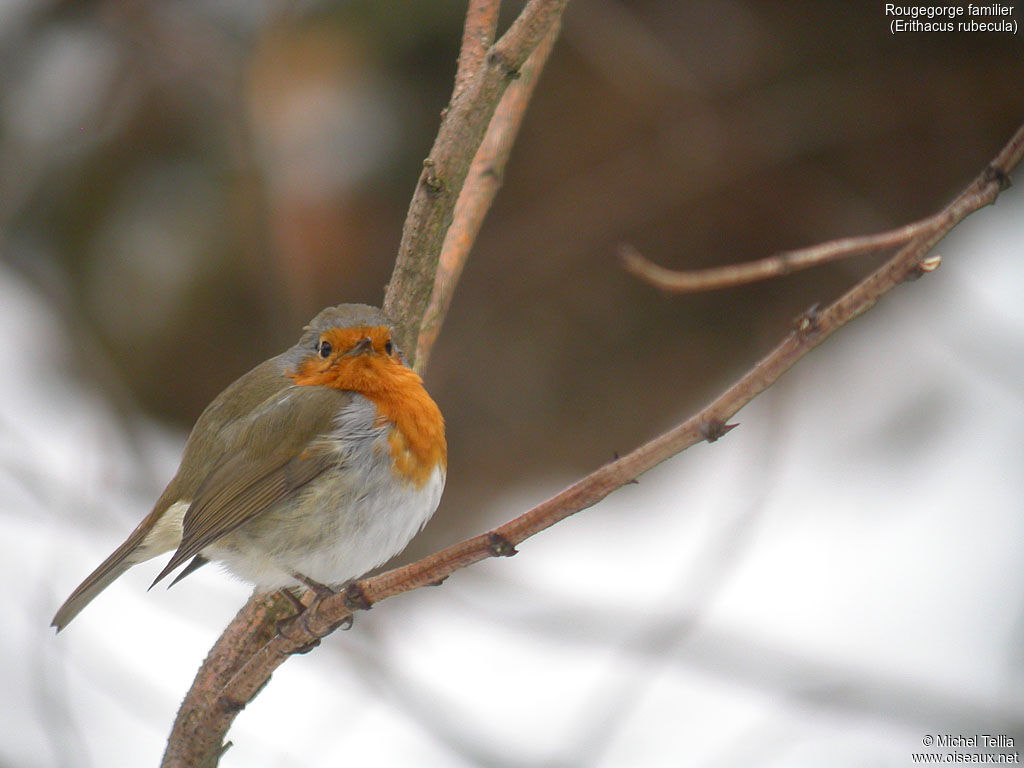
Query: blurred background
<point x="183" y="185"/>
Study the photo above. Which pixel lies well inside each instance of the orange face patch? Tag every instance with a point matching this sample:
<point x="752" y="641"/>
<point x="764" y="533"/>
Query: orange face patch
<point x="373" y="369"/>
<point x="338" y="360"/>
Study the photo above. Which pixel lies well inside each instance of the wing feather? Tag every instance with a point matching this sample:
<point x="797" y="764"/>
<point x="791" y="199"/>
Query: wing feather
<point x="270" y="459"/>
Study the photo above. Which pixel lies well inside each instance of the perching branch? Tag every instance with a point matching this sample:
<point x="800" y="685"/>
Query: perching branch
<point x="812" y="328"/>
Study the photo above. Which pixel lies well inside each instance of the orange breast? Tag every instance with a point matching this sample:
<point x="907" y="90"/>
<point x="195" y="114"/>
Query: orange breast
<point x="417" y="441"/>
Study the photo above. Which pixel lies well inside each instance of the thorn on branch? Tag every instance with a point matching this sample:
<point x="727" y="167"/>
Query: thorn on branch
<point x="496" y="58"/>
<point x="994" y="173"/>
<point x="631" y="481"/>
<point x="808" y="322"/>
<point x="923" y="267"/>
<point x="712" y="429"/>
<point x="499" y="546"/>
<point x="430" y="180"/>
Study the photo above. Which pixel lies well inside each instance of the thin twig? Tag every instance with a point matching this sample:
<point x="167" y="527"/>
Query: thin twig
<point x="692" y="281"/>
<point x="708" y="424"/>
<point x="482" y="184"/>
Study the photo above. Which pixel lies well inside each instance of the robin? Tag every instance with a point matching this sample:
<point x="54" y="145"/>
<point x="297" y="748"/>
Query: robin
<point x="311" y="469"/>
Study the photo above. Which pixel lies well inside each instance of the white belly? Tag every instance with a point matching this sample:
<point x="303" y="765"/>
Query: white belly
<point x="350" y="540"/>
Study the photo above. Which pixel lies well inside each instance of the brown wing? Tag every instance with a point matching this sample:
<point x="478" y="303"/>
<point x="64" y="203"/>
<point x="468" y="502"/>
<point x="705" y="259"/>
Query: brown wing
<point x="270" y="459"/>
<point x="211" y="440"/>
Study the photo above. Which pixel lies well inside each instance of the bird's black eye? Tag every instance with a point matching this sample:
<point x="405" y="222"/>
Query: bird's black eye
<point x="389" y="347"/>
<point x="324" y="349"/>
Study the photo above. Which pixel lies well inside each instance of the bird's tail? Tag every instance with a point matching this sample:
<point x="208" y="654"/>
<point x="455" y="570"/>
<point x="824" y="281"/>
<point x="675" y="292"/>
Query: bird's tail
<point x="94" y="583"/>
<point x="160" y="532"/>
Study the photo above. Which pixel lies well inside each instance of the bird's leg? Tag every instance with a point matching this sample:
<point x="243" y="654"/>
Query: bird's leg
<point x="283" y="624"/>
<point x="322" y="591"/>
<point x="293" y="599"/>
<point x="303" y="611"/>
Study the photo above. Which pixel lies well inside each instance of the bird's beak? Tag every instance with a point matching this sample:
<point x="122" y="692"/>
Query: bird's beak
<point x="364" y="346"/>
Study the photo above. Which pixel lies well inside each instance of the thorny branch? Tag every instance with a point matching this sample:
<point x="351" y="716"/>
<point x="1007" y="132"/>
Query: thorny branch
<point x="812" y="328"/>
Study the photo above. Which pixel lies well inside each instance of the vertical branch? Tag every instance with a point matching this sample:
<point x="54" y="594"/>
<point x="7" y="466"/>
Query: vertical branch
<point x="486" y="174"/>
<point x="445" y="169"/>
